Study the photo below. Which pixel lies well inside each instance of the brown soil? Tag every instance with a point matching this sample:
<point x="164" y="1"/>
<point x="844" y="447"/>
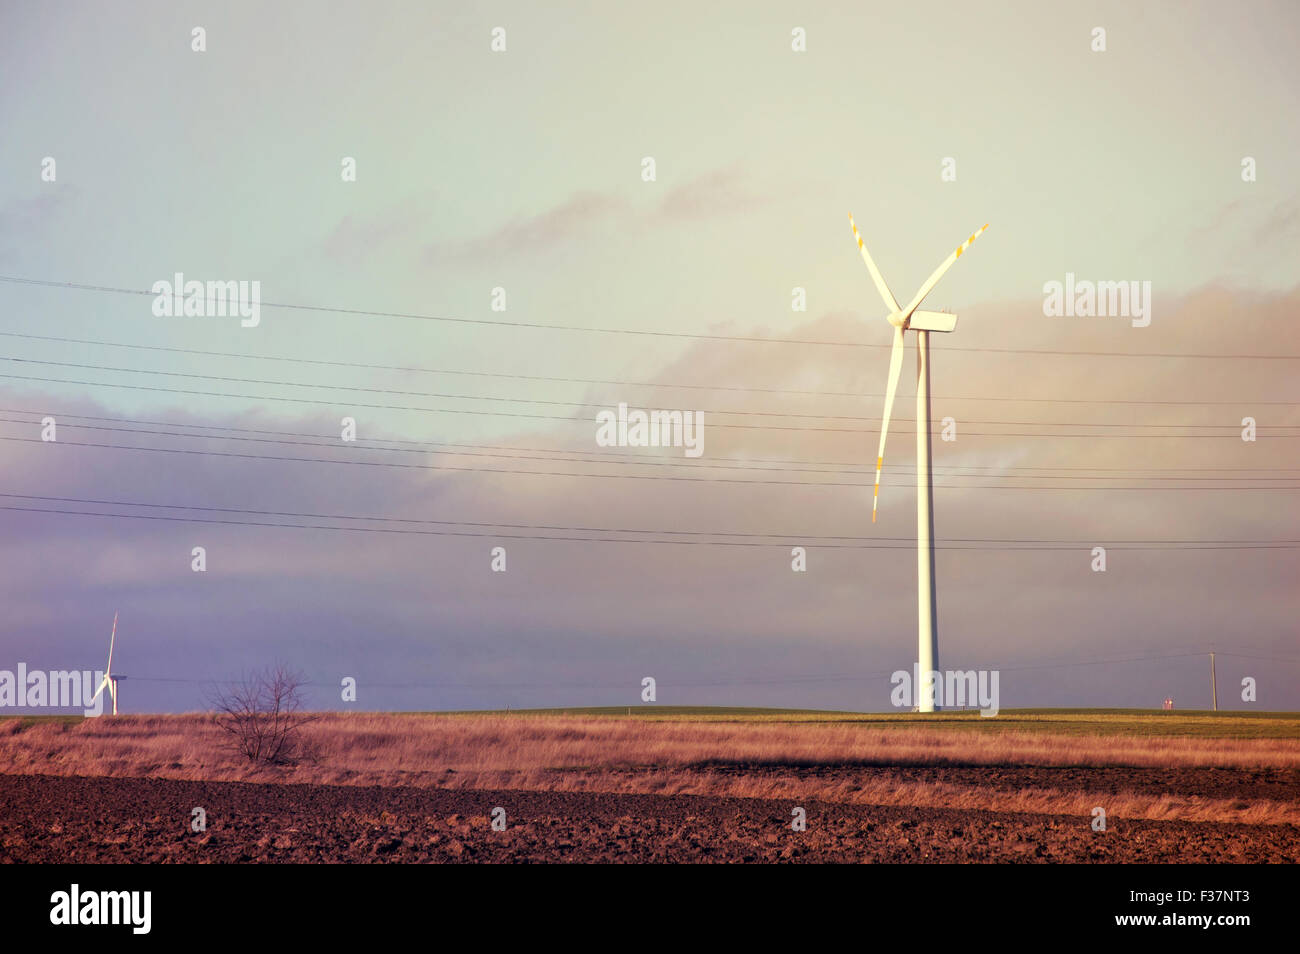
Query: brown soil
<point x="1278" y="784"/>
<point x="75" y="819"/>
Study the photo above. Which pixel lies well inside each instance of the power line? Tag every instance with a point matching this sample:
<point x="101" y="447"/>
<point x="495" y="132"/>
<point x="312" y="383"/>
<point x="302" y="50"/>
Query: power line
<point x="358" y="312"/>
<point x="1105" y="662"/>
<point x="588" y="423"/>
<point x="783" y="538"/>
<point x="642" y="459"/>
<point x="332" y="442"/>
<point x="1250" y="656"/>
<point x="536" y="685"/>
<point x="584" y="404"/>
<point x="621" y="383"/>
<point x="782" y="680"/>
<point x="546" y="473"/>
<point x="428" y="394"/>
<point x="569" y="539"/>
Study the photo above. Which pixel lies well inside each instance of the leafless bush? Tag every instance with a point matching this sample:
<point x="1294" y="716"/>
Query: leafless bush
<point x="262" y="711"/>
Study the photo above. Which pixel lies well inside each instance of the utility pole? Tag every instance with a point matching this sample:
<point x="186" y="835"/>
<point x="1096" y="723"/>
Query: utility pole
<point x="1214" y="684"/>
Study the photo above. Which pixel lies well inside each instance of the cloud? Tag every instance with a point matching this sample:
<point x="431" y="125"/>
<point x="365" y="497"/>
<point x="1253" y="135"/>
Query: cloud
<point x="1256" y="227"/>
<point x="716" y="193"/>
<point x="357" y="236"/>
<point x="575" y="218"/>
<point x="35" y="211"/>
<point x="41" y="214"/>
<point x="587" y="215"/>
<point x="1281" y="226"/>
<point x="398" y="608"/>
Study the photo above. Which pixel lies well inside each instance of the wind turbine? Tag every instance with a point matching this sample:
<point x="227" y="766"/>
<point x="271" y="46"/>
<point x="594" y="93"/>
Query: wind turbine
<point x="923" y="322"/>
<point x="109" y="681"/>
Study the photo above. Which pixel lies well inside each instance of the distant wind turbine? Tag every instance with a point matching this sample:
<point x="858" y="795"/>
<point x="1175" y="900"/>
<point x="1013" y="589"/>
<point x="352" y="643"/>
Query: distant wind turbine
<point x="923" y="322"/>
<point x="109" y="681"/>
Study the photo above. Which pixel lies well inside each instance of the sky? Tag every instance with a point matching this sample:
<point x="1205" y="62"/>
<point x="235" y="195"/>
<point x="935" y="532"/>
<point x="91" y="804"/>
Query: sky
<point x="523" y="170"/>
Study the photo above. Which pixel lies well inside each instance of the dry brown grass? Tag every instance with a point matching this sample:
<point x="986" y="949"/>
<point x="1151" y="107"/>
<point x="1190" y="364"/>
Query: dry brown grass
<point x="767" y="759"/>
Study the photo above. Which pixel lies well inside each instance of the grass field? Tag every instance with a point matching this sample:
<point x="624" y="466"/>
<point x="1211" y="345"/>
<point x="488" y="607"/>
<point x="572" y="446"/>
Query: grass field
<point x="1190" y="766"/>
<point x="662" y="783"/>
<point x="1191" y="722"/>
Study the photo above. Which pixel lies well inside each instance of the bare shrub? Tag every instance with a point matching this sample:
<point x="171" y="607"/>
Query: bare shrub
<point x="263" y="713"/>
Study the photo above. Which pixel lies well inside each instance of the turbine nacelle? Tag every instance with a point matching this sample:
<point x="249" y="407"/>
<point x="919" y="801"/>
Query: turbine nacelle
<point x="934" y="321"/>
<point x="924" y="320"/>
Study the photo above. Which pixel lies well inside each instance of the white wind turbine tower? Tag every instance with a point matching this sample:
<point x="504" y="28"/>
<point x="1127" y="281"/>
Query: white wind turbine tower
<point x="109" y="681"/>
<point x="923" y="322"/>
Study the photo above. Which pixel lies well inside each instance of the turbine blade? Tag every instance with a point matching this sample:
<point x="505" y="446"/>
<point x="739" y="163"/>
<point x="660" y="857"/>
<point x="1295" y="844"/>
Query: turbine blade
<point x="939" y="273"/>
<point x="111" y="639"/>
<point x="100" y="689"/>
<point x="895" y="368"/>
<point x="876" y="277"/>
